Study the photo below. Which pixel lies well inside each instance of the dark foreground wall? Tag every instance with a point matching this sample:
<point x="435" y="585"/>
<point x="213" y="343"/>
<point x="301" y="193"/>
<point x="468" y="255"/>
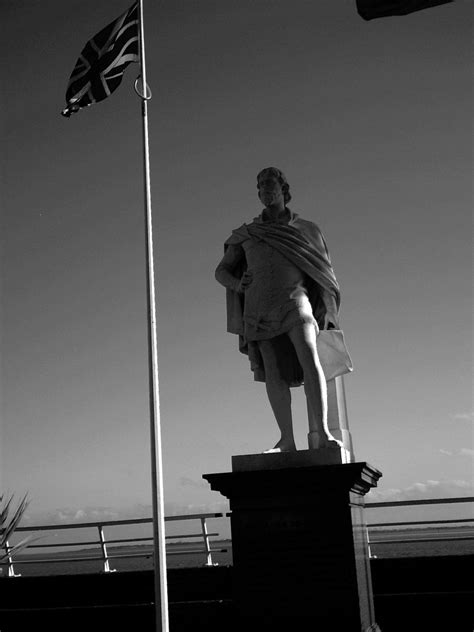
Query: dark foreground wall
<point x="410" y="594"/>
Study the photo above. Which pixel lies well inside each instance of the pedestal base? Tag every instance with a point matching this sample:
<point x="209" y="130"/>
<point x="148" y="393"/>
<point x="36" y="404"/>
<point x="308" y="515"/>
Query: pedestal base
<point x="280" y="460"/>
<point x="300" y="543"/>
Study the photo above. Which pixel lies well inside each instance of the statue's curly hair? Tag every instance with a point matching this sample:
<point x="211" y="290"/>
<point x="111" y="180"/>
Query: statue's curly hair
<point x="281" y="179"/>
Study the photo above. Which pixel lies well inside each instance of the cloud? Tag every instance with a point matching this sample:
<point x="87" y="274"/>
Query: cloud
<point x="469" y="452"/>
<point x="71" y="515"/>
<point x="185" y="481"/>
<point x="466" y="416"/>
<point x="80" y="515"/>
<point x="423" y="490"/>
<point x="179" y="509"/>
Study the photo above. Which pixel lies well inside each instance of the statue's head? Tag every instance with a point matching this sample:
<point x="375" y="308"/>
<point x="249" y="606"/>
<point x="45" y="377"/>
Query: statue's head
<point x="270" y="173"/>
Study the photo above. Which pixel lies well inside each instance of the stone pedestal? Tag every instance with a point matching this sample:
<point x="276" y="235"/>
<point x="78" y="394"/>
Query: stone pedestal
<point x="299" y="543"/>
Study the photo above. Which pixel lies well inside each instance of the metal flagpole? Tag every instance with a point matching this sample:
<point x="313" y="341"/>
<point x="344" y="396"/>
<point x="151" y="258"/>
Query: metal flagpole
<point x="161" y="590"/>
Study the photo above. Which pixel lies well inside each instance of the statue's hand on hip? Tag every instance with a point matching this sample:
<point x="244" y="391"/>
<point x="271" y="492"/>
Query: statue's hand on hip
<point x="331" y="321"/>
<point x="245" y="281"/>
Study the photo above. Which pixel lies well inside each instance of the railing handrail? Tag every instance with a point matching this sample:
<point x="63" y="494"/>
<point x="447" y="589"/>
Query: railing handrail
<point x="118" y="541"/>
<point x="412" y="522"/>
<point x="113" y="523"/>
<point x="426" y="501"/>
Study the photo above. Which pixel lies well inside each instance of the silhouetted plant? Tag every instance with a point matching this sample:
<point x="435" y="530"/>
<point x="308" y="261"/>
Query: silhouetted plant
<point x="8" y="524"/>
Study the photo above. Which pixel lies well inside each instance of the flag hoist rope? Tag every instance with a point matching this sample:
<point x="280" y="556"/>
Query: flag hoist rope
<point x="161" y="591"/>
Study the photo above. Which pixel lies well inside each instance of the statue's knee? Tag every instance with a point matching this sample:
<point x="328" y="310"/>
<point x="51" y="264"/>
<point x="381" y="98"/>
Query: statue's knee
<point x="309" y="361"/>
<point x="274" y="380"/>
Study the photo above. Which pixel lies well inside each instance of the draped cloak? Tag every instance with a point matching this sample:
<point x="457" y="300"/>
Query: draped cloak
<point x="302" y="243"/>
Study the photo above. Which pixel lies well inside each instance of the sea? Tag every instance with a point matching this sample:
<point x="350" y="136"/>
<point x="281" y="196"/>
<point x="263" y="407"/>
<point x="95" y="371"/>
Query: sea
<point x="384" y="543"/>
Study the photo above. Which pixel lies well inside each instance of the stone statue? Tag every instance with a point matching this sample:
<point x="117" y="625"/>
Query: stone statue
<point x="281" y="290"/>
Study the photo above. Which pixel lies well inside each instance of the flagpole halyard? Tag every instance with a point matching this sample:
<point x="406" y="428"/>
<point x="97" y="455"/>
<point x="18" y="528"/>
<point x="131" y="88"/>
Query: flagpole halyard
<point x="161" y="590"/>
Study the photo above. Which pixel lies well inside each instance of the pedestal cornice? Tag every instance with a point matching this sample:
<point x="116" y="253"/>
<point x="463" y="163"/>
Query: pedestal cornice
<point x="358" y="478"/>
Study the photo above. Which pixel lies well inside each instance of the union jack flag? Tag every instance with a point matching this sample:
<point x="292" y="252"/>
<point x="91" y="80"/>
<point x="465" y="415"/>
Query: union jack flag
<point x="102" y="62"/>
<point x="370" y="9"/>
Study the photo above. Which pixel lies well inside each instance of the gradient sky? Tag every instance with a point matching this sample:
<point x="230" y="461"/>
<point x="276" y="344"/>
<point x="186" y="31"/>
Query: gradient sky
<point x="372" y="124"/>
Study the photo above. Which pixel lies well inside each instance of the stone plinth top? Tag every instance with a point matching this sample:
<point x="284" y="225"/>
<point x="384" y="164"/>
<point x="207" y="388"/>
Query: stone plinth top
<point x="284" y="460"/>
<point x="311" y="479"/>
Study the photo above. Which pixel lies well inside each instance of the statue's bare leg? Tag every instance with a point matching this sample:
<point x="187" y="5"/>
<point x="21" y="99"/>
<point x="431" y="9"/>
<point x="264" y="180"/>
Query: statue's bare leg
<point x="279" y="396"/>
<point x="303" y="338"/>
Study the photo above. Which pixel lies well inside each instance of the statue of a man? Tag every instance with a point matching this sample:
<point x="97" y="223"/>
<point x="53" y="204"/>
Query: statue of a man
<point x="281" y="289"/>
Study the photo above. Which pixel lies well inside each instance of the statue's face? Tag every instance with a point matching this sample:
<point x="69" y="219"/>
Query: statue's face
<point x="270" y="191"/>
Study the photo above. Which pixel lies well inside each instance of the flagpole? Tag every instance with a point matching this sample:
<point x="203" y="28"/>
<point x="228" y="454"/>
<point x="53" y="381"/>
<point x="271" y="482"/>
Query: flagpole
<point x="159" y="553"/>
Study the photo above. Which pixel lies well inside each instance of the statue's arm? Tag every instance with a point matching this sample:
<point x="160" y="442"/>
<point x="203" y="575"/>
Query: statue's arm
<point x="329" y="298"/>
<point x="329" y="301"/>
<point x="224" y="271"/>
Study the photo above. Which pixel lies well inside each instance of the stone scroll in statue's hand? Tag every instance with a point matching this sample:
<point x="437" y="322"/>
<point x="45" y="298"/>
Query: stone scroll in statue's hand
<point x="333" y="354"/>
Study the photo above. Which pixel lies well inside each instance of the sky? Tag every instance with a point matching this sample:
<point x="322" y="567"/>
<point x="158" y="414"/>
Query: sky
<point x="371" y="123"/>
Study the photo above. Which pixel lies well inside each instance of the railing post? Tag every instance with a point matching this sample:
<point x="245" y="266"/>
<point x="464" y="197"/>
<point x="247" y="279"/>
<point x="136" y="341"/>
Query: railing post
<point x="11" y="570"/>
<point x="103" y="546"/>
<point x="207" y="545"/>
<point x="371" y="556"/>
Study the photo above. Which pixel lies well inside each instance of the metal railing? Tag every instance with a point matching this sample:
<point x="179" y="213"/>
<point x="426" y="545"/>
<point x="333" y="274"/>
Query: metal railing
<point x="204" y="536"/>
<point x="204" y="539"/>
<point x="373" y="527"/>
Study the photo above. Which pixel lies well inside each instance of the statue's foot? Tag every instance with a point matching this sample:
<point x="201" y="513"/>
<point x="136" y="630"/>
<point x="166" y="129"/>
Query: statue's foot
<point x="282" y="446"/>
<point x="319" y="440"/>
<point x="333" y="443"/>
